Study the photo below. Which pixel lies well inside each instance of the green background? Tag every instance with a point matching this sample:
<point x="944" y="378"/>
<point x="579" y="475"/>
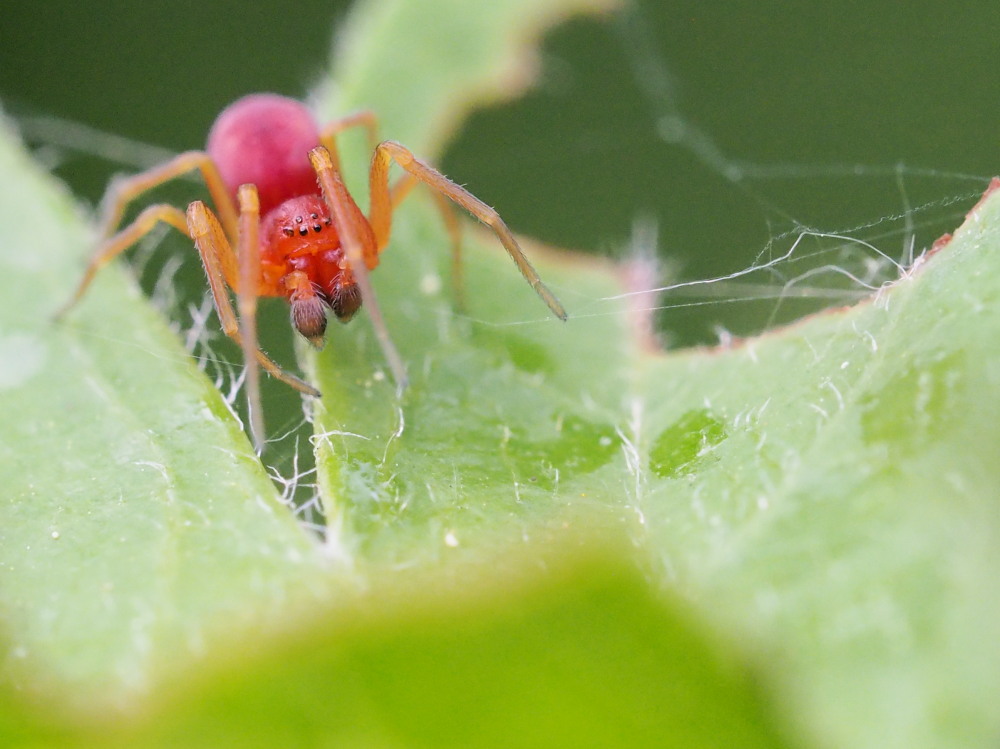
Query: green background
<point x="732" y="126"/>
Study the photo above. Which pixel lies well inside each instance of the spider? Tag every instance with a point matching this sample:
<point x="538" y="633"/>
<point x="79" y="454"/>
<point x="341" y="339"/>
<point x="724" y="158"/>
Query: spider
<point x="273" y="177"/>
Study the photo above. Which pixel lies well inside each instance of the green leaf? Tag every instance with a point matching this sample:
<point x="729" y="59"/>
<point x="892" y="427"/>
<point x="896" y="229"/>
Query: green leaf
<point x="135" y="521"/>
<point x="824" y="494"/>
<point x="822" y="497"/>
<point x="466" y="373"/>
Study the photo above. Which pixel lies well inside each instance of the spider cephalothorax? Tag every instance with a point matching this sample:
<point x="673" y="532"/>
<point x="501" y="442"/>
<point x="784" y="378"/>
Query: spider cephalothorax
<point x="302" y="257"/>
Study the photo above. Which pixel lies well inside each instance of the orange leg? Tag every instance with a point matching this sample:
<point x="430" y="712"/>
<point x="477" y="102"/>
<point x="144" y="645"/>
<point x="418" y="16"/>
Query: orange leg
<point x="455" y="233"/>
<point x="382" y="205"/>
<point x="364" y="118"/>
<point x="124" y="191"/>
<point x="398" y="193"/>
<point x="216" y="254"/>
<point x="360" y="246"/>
<point x="401" y="189"/>
<point x="248" y="255"/>
<point x="144" y="223"/>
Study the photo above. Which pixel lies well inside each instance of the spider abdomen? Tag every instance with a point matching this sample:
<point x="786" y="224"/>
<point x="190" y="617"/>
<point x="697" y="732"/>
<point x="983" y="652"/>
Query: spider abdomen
<point x="264" y="140"/>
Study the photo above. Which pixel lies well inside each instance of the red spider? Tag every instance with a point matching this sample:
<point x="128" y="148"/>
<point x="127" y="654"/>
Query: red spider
<point x="274" y="179"/>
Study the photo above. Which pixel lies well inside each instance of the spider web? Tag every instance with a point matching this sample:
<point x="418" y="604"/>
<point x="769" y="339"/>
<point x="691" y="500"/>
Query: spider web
<point x="802" y="266"/>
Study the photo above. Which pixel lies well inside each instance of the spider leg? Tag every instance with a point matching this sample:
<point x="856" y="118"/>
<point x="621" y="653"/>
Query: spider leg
<point x="144" y="223"/>
<point x="217" y="255"/>
<point x="382" y="205"/>
<point x="365" y="118"/>
<point x="454" y="230"/>
<point x="248" y="256"/>
<point x="360" y="246"/>
<point x="400" y="191"/>
<point x="124" y="191"/>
